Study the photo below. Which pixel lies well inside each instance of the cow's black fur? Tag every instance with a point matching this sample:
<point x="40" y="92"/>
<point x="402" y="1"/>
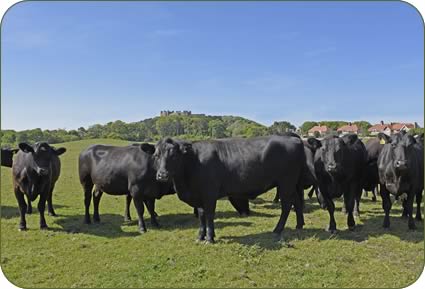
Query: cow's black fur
<point x="401" y="171"/>
<point x="35" y="171"/>
<point x="204" y="171"/>
<point x="339" y="166"/>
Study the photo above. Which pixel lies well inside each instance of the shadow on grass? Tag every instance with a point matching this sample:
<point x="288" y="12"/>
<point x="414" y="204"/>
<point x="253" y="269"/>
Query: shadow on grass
<point x="371" y="227"/>
<point x="9" y="212"/>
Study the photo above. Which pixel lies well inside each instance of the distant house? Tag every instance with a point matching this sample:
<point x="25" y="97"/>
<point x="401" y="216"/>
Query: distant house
<point x="397" y="127"/>
<point x="318" y="129"/>
<point x="347" y="129"/>
<point x="390" y="128"/>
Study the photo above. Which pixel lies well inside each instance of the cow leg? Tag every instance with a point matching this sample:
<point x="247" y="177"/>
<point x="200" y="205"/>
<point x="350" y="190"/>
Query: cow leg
<point x="22" y="209"/>
<point x="330" y="205"/>
<point x="127" y="216"/>
<point x="276" y="198"/>
<point x="374" y="192"/>
<point x="50" y="209"/>
<point x="418" y="205"/>
<point x="299" y="208"/>
<point x="310" y="193"/>
<point x="357" y="197"/>
<point x="209" y="218"/>
<point x="349" y="201"/>
<point x="150" y="205"/>
<point x="409" y="208"/>
<point x="88" y="187"/>
<point x="386" y="205"/>
<point x="140" y="208"/>
<point x="405" y="213"/>
<point x="202" y="224"/>
<point x="97" y="195"/>
<point x="41" y="207"/>
<point x="195" y="212"/>
<point x="29" y="206"/>
<point x="286" y="201"/>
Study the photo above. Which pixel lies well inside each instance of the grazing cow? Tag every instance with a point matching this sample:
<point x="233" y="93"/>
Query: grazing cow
<point x="371" y="177"/>
<point x="7" y="157"/>
<point x="401" y="173"/>
<point x="35" y="171"/>
<point x="339" y="166"/>
<point x="120" y="171"/>
<point x="204" y="171"/>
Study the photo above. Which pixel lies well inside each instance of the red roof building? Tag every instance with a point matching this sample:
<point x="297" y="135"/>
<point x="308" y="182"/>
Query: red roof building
<point x="348" y="128"/>
<point x="321" y="129"/>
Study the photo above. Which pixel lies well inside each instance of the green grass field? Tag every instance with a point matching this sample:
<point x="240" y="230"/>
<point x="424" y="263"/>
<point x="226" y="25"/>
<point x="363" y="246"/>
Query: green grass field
<point x="114" y="254"/>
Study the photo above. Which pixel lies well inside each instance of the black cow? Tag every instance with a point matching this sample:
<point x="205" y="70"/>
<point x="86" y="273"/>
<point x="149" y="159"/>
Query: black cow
<point x="311" y="180"/>
<point x="371" y="177"/>
<point x="121" y="171"/>
<point x="35" y="171"/>
<point x="7" y="157"/>
<point x="401" y="173"/>
<point x="204" y="171"/>
<point x="339" y="166"/>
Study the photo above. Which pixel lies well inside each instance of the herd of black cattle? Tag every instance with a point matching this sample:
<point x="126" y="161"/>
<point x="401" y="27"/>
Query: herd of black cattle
<point x="202" y="172"/>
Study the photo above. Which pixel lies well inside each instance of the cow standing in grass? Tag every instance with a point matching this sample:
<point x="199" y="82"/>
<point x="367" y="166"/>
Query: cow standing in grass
<point x="35" y="171"/>
<point x="339" y="164"/>
<point x="204" y="171"/>
<point x="120" y="171"/>
<point x="401" y="173"/>
<point x="371" y="177"/>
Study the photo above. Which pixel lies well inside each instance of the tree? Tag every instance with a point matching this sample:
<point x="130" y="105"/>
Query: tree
<point x="280" y="127"/>
<point x="216" y="128"/>
<point x="307" y="125"/>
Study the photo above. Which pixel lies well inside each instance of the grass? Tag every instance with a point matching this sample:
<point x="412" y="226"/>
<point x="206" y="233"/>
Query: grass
<point x="114" y="254"/>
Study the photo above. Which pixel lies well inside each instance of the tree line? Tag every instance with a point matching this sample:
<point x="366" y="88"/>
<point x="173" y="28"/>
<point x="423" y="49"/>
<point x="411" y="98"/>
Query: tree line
<point x="152" y="129"/>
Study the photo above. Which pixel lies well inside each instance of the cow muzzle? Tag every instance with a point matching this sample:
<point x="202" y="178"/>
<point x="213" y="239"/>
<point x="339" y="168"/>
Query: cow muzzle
<point x="162" y="176"/>
<point x="42" y="171"/>
<point x="401" y="165"/>
<point x="332" y="168"/>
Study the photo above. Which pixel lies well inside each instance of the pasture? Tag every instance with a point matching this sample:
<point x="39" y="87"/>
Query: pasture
<point x="247" y="254"/>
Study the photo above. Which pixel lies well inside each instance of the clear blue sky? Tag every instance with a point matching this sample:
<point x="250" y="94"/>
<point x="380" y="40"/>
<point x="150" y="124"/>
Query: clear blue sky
<point x="66" y="65"/>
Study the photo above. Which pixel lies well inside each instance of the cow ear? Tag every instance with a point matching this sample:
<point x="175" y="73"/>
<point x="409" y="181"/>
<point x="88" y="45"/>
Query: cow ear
<point x="14" y="151"/>
<point x="383" y="138"/>
<point x="26" y="148"/>
<point x="186" y="148"/>
<point x="59" y="151"/>
<point x="147" y="148"/>
<point x="314" y="143"/>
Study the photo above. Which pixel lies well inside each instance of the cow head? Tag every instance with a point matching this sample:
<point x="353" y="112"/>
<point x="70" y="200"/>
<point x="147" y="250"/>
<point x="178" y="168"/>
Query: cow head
<point x="42" y="154"/>
<point x="332" y="151"/>
<point x="7" y="157"/>
<point x="393" y="160"/>
<point x="168" y="157"/>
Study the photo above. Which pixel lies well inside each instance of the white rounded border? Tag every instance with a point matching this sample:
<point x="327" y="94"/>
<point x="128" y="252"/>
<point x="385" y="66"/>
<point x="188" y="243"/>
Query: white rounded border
<point x="6" y="4"/>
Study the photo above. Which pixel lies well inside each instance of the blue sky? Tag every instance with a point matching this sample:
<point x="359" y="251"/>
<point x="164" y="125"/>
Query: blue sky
<point x="66" y="65"/>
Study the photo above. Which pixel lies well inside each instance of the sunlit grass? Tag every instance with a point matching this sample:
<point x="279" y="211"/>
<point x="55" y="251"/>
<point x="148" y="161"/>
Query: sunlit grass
<point x="247" y="254"/>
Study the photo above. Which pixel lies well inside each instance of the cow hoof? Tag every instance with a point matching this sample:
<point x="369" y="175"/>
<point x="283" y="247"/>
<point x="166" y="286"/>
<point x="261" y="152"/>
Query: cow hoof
<point x="53" y="214"/>
<point x="356" y="214"/>
<point x="351" y="228"/>
<point x="209" y="241"/>
<point x="22" y="228"/>
<point x="331" y="230"/>
<point x="244" y="215"/>
<point x="418" y="218"/>
<point x="127" y="219"/>
<point x="373" y="199"/>
<point x="156" y="225"/>
<point x="142" y="231"/>
<point x="87" y="221"/>
<point x="96" y="221"/>
<point x="29" y="212"/>
<point x="44" y="227"/>
<point x="299" y="227"/>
